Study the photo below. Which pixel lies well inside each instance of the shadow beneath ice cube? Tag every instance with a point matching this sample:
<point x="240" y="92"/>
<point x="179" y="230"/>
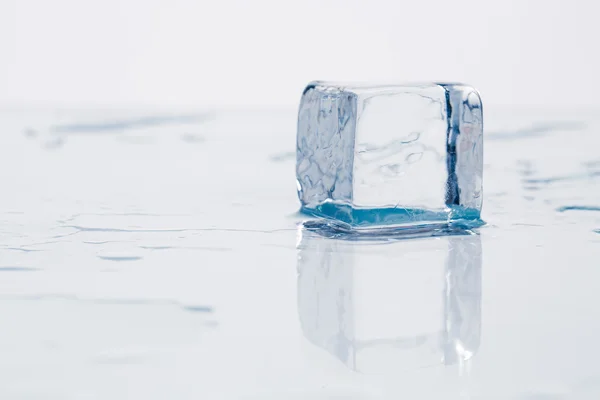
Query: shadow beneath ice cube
<point x="390" y="307"/>
<point x="338" y="230"/>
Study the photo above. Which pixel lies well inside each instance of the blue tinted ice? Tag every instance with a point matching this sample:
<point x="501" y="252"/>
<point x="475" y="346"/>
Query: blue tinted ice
<point x="390" y="155"/>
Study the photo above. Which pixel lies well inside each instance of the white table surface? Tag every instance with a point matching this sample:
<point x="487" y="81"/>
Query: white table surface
<point x="160" y="255"/>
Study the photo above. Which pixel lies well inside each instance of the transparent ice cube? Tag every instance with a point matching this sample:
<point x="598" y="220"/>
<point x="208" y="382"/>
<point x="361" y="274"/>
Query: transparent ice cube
<point x="387" y="155"/>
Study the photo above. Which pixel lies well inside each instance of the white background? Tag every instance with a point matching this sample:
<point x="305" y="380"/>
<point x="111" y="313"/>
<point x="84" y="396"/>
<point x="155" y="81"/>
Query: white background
<point x="261" y="53"/>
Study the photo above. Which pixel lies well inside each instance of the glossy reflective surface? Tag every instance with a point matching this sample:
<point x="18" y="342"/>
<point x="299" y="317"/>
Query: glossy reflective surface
<point x="160" y="255"/>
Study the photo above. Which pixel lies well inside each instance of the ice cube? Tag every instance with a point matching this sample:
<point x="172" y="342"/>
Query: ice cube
<point x="390" y="155"/>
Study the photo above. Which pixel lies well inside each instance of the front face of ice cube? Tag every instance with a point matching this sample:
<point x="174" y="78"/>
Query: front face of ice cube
<point x="415" y="150"/>
<point x="400" y="149"/>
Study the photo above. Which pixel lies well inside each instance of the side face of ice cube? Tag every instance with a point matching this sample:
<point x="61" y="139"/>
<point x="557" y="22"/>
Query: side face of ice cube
<point x="325" y="145"/>
<point x="390" y="154"/>
<point x="464" y="155"/>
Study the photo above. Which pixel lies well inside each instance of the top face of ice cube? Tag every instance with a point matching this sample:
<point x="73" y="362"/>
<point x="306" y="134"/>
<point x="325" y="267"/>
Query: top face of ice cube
<point x="390" y="152"/>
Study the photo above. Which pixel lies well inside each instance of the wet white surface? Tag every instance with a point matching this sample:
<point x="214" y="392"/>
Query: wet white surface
<point x="159" y="255"/>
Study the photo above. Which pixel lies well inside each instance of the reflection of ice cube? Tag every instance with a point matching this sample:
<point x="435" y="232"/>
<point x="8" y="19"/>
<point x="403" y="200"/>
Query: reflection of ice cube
<point x="388" y="307"/>
<point x="392" y="154"/>
<point x="463" y="298"/>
